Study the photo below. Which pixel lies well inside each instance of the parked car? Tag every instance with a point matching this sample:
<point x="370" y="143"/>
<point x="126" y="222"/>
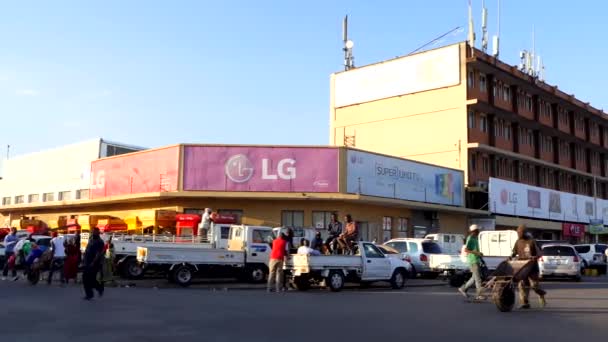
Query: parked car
<point x="560" y="260"/>
<point x="418" y="250"/>
<point x="593" y="255"/>
<point x="393" y="253"/>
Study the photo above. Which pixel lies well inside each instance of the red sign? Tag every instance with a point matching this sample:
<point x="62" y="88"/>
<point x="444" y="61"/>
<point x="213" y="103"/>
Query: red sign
<point x="573" y="230"/>
<point x="135" y="173"/>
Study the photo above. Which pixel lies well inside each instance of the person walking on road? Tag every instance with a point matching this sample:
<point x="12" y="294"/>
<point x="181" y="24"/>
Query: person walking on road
<point x="474" y="260"/>
<point x="277" y="260"/>
<point x="9" y="244"/>
<point x="526" y="249"/>
<point x="70" y="267"/>
<point x="93" y="258"/>
<point x="58" y="250"/>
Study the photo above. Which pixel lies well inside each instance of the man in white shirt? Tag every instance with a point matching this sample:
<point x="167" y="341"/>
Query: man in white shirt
<point x="58" y="248"/>
<point x="203" y="227"/>
<point x="306" y="250"/>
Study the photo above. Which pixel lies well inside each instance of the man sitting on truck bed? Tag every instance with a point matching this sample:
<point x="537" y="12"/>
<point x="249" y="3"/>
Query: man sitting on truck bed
<point x="349" y="236"/>
<point x="306" y="250"/>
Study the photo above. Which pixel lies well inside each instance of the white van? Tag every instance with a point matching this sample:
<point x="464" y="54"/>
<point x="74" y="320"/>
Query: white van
<point x="449" y="243"/>
<point x="497" y="243"/>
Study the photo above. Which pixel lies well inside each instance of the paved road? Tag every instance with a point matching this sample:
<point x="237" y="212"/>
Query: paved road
<point x="575" y="311"/>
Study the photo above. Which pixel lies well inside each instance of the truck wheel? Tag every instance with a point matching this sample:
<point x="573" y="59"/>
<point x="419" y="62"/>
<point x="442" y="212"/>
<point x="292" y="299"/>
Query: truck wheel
<point x="132" y="269"/>
<point x="257" y="273"/>
<point x="398" y="279"/>
<point x="301" y="283"/>
<point x="456" y="280"/>
<point x="335" y="281"/>
<point x="182" y="275"/>
<point x="503" y="297"/>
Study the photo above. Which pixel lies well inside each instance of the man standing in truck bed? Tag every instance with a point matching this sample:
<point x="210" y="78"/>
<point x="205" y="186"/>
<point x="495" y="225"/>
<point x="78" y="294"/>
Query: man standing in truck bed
<point x="526" y="249"/>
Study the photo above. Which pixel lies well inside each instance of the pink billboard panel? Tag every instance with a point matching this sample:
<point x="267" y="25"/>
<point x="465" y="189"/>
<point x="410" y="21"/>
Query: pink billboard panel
<point x="280" y="169"/>
<point x="135" y="173"/>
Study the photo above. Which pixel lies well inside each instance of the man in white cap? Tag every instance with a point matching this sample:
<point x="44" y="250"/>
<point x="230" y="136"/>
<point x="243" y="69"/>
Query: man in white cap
<point x="474" y="260"/>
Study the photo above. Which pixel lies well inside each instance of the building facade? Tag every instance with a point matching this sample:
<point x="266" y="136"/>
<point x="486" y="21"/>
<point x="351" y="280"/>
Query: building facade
<point x="461" y="108"/>
<point x="297" y="186"/>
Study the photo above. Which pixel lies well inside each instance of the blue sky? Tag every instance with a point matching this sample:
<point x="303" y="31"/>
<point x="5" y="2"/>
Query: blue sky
<point x="153" y="73"/>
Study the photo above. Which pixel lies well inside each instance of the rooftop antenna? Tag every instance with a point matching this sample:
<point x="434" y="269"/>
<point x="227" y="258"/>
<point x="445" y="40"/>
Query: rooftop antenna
<point x="484" y="27"/>
<point x="349" y="59"/>
<point x="471" y="29"/>
<point x="496" y="39"/>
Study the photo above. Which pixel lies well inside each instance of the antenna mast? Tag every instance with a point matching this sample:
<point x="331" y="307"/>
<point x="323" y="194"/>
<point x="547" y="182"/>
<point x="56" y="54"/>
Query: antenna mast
<point x="484" y="27"/>
<point x="349" y="59"/>
<point x="496" y="40"/>
<point x="471" y="29"/>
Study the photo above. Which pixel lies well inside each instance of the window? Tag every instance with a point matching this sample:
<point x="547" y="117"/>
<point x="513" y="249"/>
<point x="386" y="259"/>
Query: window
<point x="261" y="236"/>
<point x="483" y="87"/>
<point x="48" y="197"/>
<point x="471" y="119"/>
<point x="292" y="218"/>
<point x="65" y="195"/>
<point x="473" y="162"/>
<point x="387" y="223"/>
<point x="471" y="79"/>
<point x="82" y="194"/>
<point x="486" y="165"/>
<point x="506" y="93"/>
<point x="495" y="89"/>
<point x="236" y="213"/>
<point x="413" y="247"/>
<point x="483" y="123"/>
<point x="401" y="246"/>
<point x="583" y="249"/>
<point x="19" y="199"/>
<point x="402" y="224"/>
<point x="321" y="219"/>
<point x="528" y="103"/>
<point x="431" y="248"/>
<point x="6" y="201"/>
<point x="508" y="131"/>
<point x="372" y="251"/>
<point x="33" y="198"/>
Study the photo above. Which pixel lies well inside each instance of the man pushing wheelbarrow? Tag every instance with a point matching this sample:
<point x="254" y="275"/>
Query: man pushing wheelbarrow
<point x="521" y="269"/>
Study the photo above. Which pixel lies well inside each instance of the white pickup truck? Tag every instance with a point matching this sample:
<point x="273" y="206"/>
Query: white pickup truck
<point x="125" y="246"/>
<point x="246" y="257"/>
<point x="370" y="265"/>
<point x="496" y="246"/>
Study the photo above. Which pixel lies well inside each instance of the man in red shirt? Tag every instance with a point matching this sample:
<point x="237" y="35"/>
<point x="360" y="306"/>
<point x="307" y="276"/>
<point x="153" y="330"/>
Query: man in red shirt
<point x="277" y="260"/>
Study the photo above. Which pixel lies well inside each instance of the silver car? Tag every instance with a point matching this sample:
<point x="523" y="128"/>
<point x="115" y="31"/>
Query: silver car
<point x="416" y="251"/>
<point x="560" y="260"/>
<point x="593" y="256"/>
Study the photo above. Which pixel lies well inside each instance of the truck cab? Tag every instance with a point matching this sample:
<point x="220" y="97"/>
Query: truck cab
<point x="449" y="243"/>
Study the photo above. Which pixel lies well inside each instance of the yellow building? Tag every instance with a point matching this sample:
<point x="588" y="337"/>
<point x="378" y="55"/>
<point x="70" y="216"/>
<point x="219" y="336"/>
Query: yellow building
<point x="529" y="152"/>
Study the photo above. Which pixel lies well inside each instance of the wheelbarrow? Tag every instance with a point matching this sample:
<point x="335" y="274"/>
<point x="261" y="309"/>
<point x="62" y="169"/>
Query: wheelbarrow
<point x="504" y="280"/>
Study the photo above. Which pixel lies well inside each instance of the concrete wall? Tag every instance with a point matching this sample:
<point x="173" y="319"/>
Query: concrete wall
<point x="428" y="126"/>
<point x="61" y="169"/>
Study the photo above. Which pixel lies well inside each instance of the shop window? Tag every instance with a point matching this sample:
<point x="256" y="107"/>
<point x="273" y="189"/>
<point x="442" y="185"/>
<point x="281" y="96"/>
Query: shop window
<point x="48" y="197"/>
<point x="33" y="198"/>
<point x="321" y="219"/>
<point x="236" y="213"/>
<point x="82" y="194"/>
<point x="387" y="223"/>
<point x="402" y="224"/>
<point x="292" y="218"/>
<point x="65" y="195"/>
<point x="19" y="199"/>
<point x="6" y="201"/>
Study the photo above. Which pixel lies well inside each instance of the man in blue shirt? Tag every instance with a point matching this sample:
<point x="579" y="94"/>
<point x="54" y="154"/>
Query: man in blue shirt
<point x="9" y="244"/>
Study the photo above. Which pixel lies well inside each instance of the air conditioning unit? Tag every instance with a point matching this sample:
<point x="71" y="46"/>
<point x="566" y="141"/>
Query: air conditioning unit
<point x="483" y="185"/>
